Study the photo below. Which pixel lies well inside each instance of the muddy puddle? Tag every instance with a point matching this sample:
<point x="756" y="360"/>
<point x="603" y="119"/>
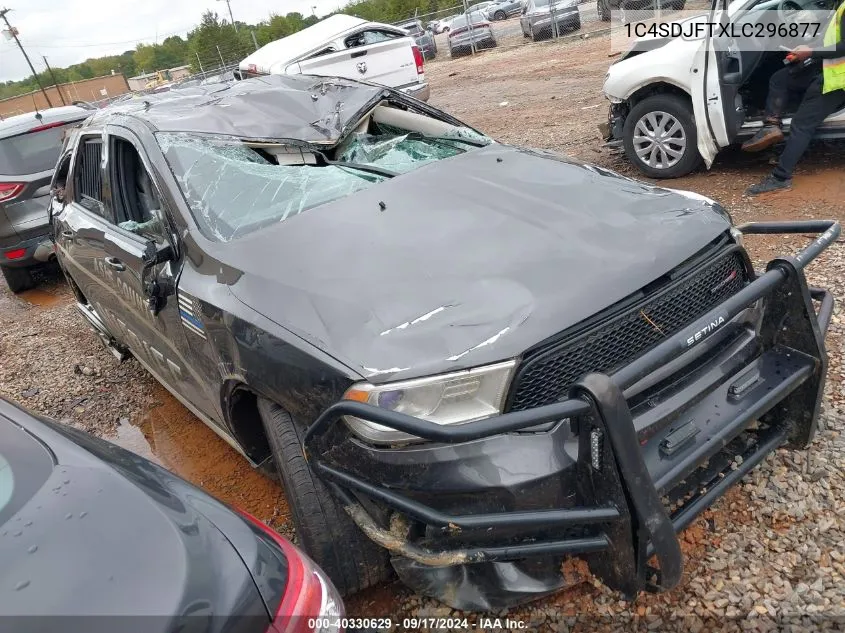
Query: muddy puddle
<point x="172" y="436"/>
<point x="43" y="297"/>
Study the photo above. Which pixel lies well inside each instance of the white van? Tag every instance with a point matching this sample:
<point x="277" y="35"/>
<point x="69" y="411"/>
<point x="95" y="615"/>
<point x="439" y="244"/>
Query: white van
<point x="345" y="46"/>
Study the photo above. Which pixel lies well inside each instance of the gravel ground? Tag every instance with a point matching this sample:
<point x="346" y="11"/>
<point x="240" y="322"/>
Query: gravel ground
<point x="768" y="556"/>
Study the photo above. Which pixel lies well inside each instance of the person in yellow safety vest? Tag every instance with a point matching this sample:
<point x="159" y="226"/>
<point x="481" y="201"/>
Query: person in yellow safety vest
<point x="823" y="85"/>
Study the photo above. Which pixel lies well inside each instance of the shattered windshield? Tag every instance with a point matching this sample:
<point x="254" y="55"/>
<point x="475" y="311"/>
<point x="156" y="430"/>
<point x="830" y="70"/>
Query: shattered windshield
<point x="233" y="188"/>
<point x="401" y="151"/>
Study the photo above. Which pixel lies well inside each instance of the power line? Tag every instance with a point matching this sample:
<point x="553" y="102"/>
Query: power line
<point x="55" y="44"/>
<point x="14" y="33"/>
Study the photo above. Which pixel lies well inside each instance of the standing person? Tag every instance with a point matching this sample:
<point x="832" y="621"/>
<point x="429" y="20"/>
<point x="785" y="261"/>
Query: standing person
<point x="820" y="74"/>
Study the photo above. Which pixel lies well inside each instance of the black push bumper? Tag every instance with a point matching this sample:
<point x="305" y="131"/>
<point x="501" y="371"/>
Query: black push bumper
<point x="623" y="512"/>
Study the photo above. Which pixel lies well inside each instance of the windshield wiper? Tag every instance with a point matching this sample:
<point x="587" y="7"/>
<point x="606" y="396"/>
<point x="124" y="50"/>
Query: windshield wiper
<point x="387" y="173"/>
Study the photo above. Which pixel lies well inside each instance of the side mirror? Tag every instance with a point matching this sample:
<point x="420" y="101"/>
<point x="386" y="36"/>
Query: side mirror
<point x="156" y="290"/>
<point x="155" y="254"/>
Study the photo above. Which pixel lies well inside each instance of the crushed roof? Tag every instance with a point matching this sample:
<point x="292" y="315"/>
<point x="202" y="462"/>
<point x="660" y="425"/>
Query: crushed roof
<point x="299" y="107"/>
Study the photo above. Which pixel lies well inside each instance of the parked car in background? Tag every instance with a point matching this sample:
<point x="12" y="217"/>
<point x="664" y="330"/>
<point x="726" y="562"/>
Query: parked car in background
<point x="542" y="19"/>
<point x="345" y="46"/>
<point x="478" y="7"/>
<point x="137" y="541"/>
<point x="469" y="31"/>
<point x="423" y="38"/>
<point x="29" y="146"/>
<point x="504" y="9"/>
<point x="635" y="8"/>
<point x="443" y="25"/>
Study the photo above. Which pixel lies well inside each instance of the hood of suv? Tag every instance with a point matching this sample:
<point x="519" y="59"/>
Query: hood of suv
<point x="466" y="261"/>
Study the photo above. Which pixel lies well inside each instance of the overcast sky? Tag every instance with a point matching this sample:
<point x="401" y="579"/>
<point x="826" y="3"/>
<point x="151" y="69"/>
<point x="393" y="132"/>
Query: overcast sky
<point x="71" y="31"/>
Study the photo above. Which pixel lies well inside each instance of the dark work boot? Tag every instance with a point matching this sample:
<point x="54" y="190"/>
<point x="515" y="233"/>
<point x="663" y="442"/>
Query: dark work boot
<point x="769" y="183"/>
<point x="766" y="136"/>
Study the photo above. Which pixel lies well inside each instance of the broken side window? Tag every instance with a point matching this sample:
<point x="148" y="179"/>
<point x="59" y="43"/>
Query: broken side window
<point x="234" y="188"/>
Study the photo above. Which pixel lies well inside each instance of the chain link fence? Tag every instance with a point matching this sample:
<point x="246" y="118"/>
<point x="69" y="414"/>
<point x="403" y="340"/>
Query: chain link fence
<point x="513" y="23"/>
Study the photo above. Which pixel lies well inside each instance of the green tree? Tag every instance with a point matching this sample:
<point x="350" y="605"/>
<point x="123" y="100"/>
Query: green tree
<point x="215" y="41"/>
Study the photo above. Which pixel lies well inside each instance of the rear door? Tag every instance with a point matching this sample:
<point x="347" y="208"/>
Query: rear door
<point x="81" y="225"/>
<point x="27" y="161"/>
<point x="373" y="54"/>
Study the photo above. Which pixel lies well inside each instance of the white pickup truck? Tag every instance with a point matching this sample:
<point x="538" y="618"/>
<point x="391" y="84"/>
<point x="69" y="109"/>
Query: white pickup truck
<point x="345" y="46"/>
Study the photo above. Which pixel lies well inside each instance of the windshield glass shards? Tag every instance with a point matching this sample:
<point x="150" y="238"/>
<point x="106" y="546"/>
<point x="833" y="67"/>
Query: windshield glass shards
<point x="399" y="154"/>
<point x="234" y="188"/>
<point x="401" y="151"/>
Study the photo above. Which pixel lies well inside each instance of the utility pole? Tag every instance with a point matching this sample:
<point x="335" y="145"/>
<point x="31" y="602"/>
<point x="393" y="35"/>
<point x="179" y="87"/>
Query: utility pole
<point x="231" y="17"/>
<point x="13" y="32"/>
<point x="55" y="83"/>
<point x="254" y="41"/>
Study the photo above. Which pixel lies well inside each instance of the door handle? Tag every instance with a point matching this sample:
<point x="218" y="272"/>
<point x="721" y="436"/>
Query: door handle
<point x="115" y="263"/>
<point x="68" y="234"/>
<point x="358" y="54"/>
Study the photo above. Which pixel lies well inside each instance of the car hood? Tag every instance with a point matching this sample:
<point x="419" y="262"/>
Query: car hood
<point x="466" y="261"/>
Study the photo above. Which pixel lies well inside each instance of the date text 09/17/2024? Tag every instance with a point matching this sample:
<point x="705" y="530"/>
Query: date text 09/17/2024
<point x="412" y="624"/>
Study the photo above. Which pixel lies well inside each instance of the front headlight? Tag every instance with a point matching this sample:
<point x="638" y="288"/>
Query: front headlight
<point x="455" y="398"/>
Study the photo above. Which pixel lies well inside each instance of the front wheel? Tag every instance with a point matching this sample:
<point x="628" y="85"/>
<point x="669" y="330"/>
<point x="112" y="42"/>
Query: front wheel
<point x="660" y="138"/>
<point x="499" y="15"/>
<point x="325" y="531"/>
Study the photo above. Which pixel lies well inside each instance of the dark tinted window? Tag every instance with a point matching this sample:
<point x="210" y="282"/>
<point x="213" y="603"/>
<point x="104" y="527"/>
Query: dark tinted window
<point x="32" y="152"/>
<point x="89" y="175"/>
<point x="24" y="467"/>
<point x="414" y="28"/>
<point x="365" y="38"/>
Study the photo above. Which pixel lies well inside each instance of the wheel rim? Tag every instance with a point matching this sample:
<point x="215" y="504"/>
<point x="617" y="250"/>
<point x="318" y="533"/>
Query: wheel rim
<point x="499" y="16"/>
<point x="659" y="140"/>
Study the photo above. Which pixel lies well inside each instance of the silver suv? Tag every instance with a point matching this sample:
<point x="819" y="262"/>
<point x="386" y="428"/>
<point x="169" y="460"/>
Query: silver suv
<point x="29" y="147"/>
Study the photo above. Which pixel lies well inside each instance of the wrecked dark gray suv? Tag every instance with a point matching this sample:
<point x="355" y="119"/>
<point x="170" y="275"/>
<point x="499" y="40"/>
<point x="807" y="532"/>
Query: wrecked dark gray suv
<point x="466" y="361"/>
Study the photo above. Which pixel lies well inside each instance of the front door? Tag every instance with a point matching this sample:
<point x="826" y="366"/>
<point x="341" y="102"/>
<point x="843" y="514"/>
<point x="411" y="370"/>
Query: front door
<point x="708" y="100"/>
<point x="152" y="330"/>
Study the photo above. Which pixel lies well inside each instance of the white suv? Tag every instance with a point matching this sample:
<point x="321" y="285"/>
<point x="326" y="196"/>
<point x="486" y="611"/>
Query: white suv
<point x="676" y="102"/>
